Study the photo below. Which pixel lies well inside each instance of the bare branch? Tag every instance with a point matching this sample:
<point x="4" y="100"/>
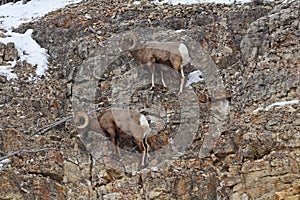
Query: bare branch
<point x="45" y="129"/>
<point x="25" y="151"/>
<point x="49" y="127"/>
<point x="93" y="30"/>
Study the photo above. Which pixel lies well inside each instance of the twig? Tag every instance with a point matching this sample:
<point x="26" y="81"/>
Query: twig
<point x="25" y="151"/>
<point x="47" y="128"/>
<point x="93" y="30"/>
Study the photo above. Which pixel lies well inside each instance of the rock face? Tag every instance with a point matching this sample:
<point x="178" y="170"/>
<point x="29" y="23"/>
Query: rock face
<point x="256" y="155"/>
<point x="8" y="52"/>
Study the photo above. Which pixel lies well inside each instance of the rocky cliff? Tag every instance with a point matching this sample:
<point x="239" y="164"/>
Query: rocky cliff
<point x="254" y="155"/>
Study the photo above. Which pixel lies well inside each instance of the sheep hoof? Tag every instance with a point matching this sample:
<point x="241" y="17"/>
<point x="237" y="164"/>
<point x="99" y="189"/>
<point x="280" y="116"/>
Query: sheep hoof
<point x="152" y="87"/>
<point x="142" y="166"/>
<point x="116" y="157"/>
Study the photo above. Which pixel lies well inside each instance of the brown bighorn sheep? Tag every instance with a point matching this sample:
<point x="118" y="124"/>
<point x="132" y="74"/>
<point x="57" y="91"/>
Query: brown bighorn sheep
<point x="116" y="123"/>
<point x="173" y="54"/>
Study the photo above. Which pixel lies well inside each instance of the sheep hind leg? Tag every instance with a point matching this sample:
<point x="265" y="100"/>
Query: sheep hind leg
<point x="143" y="147"/>
<point x="182" y="80"/>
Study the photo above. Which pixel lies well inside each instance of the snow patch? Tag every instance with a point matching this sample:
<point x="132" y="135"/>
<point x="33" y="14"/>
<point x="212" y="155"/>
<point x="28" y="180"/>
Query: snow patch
<point x="6" y="70"/>
<point x="14" y="14"/>
<point x="180" y="30"/>
<point x="154" y="169"/>
<point x="3" y="162"/>
<point x="277" y="104"/>
<point x="194" y="77"/>
<point x="28" y="50"/>
<point x="136" y="3"/>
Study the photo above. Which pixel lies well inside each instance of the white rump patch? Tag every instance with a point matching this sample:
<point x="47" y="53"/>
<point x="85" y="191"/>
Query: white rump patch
<point x="184" y="52"/>
<point x="143" y="121"/>
<point x="183" y="49"/>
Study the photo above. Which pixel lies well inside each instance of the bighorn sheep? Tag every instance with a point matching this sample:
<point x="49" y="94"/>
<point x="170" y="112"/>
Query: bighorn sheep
<point x="116" y="123"/>
<point x="173" y="54"/>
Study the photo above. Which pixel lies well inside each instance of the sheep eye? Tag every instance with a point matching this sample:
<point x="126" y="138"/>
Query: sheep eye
<point x="130" y="41"/>
<point x="80" y="122"/>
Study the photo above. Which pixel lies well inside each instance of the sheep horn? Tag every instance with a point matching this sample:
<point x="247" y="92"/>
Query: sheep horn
<point x="131" y="37"/>
<point x="81" y="119"/>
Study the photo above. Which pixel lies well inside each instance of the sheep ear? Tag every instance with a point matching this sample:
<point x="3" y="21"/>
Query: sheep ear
<point x="81" y="119"/>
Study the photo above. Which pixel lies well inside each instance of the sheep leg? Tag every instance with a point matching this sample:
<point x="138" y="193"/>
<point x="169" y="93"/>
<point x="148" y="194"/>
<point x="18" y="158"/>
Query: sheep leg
<point x="162" y="79"/>
<point x="182" y="80"/>
<point x="144" y="159"/>
<point x="146" y="153"/>
<point x="117" y="148"/>
<point x="114" y="140"/>
<point x="152" y="70"/>
<point x="143" y="148"/>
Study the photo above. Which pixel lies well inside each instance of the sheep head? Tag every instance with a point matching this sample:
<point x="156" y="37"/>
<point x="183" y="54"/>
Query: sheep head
<point x="129" y="41"/>
<point x="81" y="120"/>
<point x="86" y="122"/>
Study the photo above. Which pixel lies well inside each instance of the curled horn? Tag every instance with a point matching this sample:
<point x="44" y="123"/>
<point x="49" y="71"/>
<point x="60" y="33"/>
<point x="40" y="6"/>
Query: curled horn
<point x="81" y="119"/>
<point x="131" y="40"/>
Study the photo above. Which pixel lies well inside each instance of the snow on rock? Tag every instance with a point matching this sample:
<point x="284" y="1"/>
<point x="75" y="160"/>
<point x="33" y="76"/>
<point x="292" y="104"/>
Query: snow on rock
<point x="3" y="162"/>
<point x="281" y="104"/>
<point x="14" y="14"/>
<point x="278" y="104"/>
<point x="7" y="71"/>
<point x="194" y="77"/>
<point x="28" y="50"/>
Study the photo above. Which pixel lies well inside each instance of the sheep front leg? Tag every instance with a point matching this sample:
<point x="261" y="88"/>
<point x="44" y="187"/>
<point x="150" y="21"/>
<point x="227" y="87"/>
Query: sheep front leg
<point x="143" y="159"/>
<point x="145" y="155"/>
<point x="152" y="70"/>
<point x="115" y="141"/>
